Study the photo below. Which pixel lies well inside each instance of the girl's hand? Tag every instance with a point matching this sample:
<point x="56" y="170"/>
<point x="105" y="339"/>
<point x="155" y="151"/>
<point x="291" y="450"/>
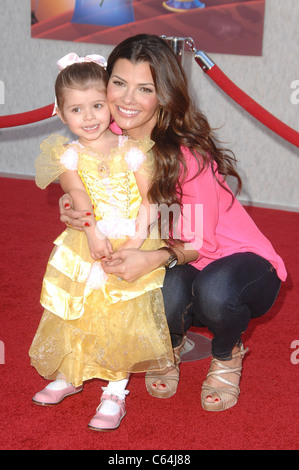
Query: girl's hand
<point x="131" y="264"/>
<point x="99" y="247"/>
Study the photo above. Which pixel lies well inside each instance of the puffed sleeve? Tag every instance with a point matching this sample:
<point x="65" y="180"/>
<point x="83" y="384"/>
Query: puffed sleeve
<point x="55" y="158"/>
<point x="139" y="156"/>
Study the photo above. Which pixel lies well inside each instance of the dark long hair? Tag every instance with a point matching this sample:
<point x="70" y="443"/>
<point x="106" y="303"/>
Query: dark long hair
<point x="180" y="123"/>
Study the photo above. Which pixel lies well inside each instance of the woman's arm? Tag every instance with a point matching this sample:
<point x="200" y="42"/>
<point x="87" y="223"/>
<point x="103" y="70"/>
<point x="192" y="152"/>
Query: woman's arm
<point x="131" y="264"/>
<point x="70" y="216"/>
<point x="71" y="183"/>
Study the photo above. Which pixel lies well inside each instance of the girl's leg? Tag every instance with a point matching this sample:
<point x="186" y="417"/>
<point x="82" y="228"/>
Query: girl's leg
<point x="59" y="384"/>
<point x="112" y="408"/>
<point x="227" y="294"/>
<point x="118" y="389"/>
<point x="56" y="391"/>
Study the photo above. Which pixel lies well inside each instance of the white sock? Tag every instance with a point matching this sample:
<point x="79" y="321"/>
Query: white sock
<point x="117" y="388"/>
<point x="58" y="384"/>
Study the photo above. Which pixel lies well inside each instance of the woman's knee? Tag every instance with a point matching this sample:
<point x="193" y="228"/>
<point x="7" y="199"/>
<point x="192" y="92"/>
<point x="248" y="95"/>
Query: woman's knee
<point x="211" y="292"/>
<point x="216" y="292"/>
<point x="238" y="284"/>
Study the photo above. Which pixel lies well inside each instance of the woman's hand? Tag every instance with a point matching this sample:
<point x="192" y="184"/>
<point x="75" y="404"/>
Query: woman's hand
<point x="70" y="216"/>
<point x="130" y="264"/>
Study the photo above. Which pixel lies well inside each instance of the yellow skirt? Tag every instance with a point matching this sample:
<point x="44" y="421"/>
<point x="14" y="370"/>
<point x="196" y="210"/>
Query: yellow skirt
<point x="110" y="339"/>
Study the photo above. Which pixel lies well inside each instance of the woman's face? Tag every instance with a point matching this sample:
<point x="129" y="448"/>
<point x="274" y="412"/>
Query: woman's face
<point x="132" y="98"/>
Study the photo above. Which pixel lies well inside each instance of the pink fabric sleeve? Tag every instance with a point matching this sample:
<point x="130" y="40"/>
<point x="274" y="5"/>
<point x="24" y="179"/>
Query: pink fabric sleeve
<point x="219" y="228"/>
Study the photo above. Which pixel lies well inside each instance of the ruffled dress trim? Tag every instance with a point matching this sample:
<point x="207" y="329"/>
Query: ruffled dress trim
<point x="55" y="158"/>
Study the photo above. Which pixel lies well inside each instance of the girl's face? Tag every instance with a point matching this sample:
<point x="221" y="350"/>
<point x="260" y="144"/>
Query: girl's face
<point x="86" y="113"/>
<point x="132" y="98"/>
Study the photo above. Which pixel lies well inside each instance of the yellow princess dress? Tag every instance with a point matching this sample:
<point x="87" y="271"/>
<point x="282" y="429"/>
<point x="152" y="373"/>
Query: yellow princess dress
<point x="96" y="325"/>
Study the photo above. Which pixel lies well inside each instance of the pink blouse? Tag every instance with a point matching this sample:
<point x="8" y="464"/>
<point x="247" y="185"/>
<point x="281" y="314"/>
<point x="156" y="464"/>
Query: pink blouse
<point x="218" y="230"/>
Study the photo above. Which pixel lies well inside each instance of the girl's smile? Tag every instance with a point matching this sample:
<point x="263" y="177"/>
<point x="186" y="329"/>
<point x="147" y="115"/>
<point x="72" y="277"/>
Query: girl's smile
<point x="86" y="112"/>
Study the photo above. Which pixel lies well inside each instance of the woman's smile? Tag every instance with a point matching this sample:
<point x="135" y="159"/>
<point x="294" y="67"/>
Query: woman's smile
<point x="132" y="97"/>
<point x="127" y="112"/>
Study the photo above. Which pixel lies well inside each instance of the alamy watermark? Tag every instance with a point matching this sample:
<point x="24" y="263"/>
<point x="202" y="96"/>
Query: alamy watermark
<point x="187" y="224"/>
<point x="2" y="92"/>
<point x="295" y="353"/>
<point x="2" y="353"/>
<point x="295" y="93"/>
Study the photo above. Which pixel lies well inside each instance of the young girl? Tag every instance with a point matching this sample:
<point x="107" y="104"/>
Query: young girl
<point x="96" y="325"/>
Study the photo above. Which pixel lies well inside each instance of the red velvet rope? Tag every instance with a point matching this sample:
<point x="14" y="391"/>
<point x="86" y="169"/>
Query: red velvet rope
<point x="36" y="115"/>
<point x="252" y="107"/>
<point x="216" y="75"/>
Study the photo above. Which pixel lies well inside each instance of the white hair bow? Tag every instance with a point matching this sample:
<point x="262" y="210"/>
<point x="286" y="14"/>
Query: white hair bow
<point x="73" y="58"/>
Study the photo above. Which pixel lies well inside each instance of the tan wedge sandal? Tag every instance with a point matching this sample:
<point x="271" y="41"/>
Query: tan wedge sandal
<point x="168" y="382"/>
<point x="227" y="396"/>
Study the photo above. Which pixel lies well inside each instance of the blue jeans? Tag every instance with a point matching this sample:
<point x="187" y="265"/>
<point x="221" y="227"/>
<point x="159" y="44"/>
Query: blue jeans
<point x="223" y="297"/>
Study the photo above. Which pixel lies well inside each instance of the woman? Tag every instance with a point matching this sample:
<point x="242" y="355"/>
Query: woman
<point x="228" y="272"/>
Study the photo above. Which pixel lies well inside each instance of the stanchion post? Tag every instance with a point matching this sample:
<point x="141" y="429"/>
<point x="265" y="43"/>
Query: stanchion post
<point x="178" y="44"/>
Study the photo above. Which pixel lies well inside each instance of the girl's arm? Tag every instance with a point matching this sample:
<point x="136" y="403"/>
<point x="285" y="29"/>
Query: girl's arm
<point x="99" y="245"/>
<point x="71" y="183"/>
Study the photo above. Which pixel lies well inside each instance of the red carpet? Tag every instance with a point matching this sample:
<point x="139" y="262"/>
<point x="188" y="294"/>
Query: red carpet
<point x="266" y="416"/>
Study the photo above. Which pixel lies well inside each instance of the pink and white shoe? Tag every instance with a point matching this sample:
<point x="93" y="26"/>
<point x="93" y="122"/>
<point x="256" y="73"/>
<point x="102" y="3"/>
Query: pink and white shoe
<point x="108" y="422"/>
<point x="49" y="397"/>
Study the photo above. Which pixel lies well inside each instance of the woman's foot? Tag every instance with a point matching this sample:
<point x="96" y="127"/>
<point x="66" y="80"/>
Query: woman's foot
<point x="221" y="390"/>
<point x="164" y="383"/>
